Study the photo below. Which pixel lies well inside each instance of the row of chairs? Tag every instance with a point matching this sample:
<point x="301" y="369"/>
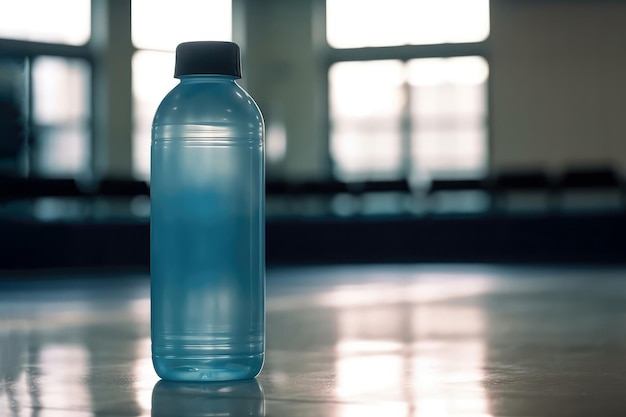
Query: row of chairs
<point x="496" y="187"/>
<point x="67" y="199"/>
<point x="21" y="188"/>
<point x="499" y="182"/>
<point x="523" y="180"/>
<point x="575" y="189"/>
<point x="499" y="191"/>
<point x="593" y="178"/>
<point x="329" y="188"/>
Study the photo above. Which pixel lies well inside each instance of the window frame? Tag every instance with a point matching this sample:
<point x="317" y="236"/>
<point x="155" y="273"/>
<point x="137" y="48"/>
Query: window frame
<point x="403" y="53"/>
<point x="28" y="51"/>
<point x="110" y="121"/>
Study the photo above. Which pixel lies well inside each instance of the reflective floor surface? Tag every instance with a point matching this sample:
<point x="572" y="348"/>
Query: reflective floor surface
<point x="433" y="341"/>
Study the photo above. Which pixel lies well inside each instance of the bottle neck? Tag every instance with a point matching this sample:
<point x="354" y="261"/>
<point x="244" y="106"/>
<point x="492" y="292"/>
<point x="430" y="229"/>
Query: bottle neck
<point x="207" y="78"/>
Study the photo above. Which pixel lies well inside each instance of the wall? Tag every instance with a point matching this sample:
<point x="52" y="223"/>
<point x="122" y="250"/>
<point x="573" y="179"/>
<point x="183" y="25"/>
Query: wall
<point x="558" y="93"/>
<point x="285" y="78"/>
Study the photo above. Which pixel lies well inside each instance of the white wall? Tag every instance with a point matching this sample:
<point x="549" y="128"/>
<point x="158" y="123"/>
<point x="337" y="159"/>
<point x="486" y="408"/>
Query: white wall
<point x="284" y="75"/>
<point x="558" y="83"/>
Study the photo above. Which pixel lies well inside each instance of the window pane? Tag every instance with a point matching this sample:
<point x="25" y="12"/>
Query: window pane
<point x="61" y="115"/>
<point x="366" y="101"/>
<point x="61" y="150"/>
<point x="448" y="116"/>
<point x="61" y="90"/>
<point x="13" y="114"/>
<point x="58" y="21"/>
<point x="405" y="22"/>
<point x="163" y="24"/>
<point x="153" y="78"/>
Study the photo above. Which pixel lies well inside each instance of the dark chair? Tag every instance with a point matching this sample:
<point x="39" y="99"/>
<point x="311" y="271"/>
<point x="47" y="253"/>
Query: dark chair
<point x="122" y="188"/>
<point x="590" y="178"/>
<point x="302" y="197"/>
<point x="594" y="187"/>
<point x="30" y="188"/>
<point x="319" y="188"/>
<point x="382" y="196"/>
<point x="468" y="194"/>
<point x="438" y="185"/>
<point x="395" y="186"/>
<point x="119" y="198"/>
<point x="514" y="185"/>
<point x="40" y="198"/>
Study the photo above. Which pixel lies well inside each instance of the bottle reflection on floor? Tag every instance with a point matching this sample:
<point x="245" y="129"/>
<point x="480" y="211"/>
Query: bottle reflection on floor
<point x="198" y="399"/>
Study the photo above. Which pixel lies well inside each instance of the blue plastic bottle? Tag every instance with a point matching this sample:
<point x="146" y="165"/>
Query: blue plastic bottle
<point x="207" y="222"/>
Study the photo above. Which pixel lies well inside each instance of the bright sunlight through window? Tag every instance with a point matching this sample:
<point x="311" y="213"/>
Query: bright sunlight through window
<point x="366" y="102"/>
<point x="369" y="23"/>
<point x="163" y="24"/>
<point x="433" y="110"/>
<point x="158" y="26"/>
<point x="58" y="21"/>
<point x="61" y="113"/>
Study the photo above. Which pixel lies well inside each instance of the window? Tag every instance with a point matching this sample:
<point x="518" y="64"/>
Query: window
<point x="421" y="115"/>
<point x="59" y="21"/>
<point x="60" y="117"/>
<point x="54" y="129"/>
<point x="48" y="84"/>
<point x="366" y="100"/>
<point x="158" y="26"/>
<point x="13" y="114"/>
<point x="152" y="79"/>
<point x="448" y="115"/>
<point x="405" y="22"/>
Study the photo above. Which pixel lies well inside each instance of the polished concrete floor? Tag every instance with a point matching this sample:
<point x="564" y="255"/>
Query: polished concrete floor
<point x="433" y="341"/>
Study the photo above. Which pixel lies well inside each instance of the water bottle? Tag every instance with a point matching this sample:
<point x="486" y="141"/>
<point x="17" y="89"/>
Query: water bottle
<point x="207" y="255"/>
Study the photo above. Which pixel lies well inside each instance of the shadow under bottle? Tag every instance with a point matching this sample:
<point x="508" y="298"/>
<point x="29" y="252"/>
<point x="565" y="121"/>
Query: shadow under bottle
<point x="207" y="399"/>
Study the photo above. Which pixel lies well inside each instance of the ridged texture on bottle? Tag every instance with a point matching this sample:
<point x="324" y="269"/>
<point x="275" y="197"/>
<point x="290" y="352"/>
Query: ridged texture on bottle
<point x="207" y="233"/>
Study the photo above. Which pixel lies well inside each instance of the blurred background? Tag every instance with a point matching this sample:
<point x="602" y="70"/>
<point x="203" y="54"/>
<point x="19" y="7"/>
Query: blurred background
<point x="397" y="131"/>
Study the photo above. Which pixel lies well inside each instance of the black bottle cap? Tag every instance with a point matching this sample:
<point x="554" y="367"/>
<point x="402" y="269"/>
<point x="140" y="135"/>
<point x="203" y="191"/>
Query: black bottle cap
<point x="207" y="57"/>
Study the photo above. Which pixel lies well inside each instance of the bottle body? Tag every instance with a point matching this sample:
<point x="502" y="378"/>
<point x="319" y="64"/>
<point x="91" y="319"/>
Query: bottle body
<point x="207" y="233"/>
